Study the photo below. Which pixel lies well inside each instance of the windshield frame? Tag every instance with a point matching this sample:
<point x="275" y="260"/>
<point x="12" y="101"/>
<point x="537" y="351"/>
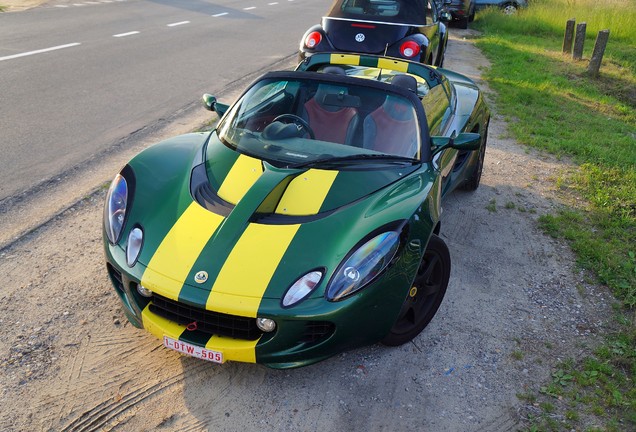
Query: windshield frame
<point x="327" y="78"/>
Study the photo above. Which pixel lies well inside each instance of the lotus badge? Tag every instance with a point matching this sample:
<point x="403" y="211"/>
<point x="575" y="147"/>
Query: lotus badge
<point x="201" y="277"/>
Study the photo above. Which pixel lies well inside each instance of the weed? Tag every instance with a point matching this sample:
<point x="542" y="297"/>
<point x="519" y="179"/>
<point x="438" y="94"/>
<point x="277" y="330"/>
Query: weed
<point x="492" y="206"/>
<point x="517" y="355"/>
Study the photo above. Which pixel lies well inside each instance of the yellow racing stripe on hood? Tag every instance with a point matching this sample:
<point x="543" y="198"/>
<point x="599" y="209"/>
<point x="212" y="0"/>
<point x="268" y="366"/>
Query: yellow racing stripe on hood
<point x="244" y="173"/>
<point x="249" y="268"/>
<point x="306" y="193"/>
<point x="179" y="250"/>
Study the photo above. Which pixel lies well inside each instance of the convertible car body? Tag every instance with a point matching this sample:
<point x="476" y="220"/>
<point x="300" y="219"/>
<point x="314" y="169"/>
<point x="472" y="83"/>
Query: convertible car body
<point x="408" y="29"/>
<point x="307" y="223"/>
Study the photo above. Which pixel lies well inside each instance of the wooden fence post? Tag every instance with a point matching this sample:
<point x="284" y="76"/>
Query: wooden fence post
<point x="569" y="35"/>
<point x="597" y="56"/>
<point x="579" y="40"/>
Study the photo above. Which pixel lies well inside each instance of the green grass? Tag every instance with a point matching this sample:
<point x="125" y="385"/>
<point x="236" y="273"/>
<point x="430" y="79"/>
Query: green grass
<point x="557" y="107"/>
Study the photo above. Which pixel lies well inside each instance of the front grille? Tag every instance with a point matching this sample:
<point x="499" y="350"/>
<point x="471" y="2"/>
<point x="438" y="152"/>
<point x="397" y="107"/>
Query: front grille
<point x="213" y="323"/>
<point x="315" y="331"/>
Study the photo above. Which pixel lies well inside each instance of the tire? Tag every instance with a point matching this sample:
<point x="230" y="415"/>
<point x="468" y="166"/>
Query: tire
<point x="425" y="296"/>
<point x="509" y="8"/>
<point x="440" y="62"/>
<point x="440" y="55"/>
<point x="473" y="180"/>
<point x="471" y="13"/>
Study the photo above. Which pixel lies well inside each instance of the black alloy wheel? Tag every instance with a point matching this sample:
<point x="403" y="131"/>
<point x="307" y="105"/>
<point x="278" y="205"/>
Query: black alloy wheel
<point x="425" y="295"/>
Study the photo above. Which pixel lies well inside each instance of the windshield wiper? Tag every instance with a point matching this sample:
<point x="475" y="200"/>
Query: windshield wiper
<point x="355" y="158"/>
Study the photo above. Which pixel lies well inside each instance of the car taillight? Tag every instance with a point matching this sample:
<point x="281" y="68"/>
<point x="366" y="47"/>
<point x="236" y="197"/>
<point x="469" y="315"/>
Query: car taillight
<point x="409" y="49"/>
<point x="313" y="39"/>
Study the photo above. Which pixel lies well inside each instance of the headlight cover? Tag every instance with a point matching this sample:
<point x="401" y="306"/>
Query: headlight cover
<point x="367" y="262"/>
<point x="115" y="208"/>
<point x="302" y="288"/>
<point x="133" y="247"/>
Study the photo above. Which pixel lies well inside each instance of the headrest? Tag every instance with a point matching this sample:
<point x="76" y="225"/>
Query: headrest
<point x="337" y="70"/>
<point x="405" y="81"/>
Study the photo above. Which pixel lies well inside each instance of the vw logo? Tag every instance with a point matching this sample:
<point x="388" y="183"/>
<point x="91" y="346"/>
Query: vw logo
<point x="201" y="277"/>
<point x="360" y="37"/>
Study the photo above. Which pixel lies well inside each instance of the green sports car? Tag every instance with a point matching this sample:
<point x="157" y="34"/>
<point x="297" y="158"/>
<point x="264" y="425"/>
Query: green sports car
<point x="307" y="223"/>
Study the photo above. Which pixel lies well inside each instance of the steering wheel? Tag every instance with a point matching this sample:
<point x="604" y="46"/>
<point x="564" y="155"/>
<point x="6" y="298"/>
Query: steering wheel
<point x="300" y="122"/>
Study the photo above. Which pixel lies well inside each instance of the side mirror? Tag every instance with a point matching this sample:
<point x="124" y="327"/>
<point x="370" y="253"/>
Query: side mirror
<point x="445" y="16"/>
<point x="466" y="141"/>
<point x="210" y="104"/>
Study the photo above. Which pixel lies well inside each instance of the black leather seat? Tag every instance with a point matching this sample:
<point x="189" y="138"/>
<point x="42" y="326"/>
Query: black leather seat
<point x="331" y="123"/>
<point x="392" y="127"/>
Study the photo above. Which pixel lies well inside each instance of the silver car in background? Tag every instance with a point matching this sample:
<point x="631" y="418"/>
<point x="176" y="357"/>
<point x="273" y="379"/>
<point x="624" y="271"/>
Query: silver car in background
<point x="507" y="6"/>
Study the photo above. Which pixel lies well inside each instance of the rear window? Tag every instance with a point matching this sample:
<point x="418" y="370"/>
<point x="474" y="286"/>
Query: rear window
<point x="391" y="11"/>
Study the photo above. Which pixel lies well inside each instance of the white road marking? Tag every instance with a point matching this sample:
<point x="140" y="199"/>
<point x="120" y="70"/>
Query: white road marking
<point x="178" y="23"/>
<point x="249" y="8"/>
<point x="61" y="6"/>
<point x="272" y="4"/>
<point x="220" y="14"/>
<point x="24" y="54"/>
<point x="126" y="34"/>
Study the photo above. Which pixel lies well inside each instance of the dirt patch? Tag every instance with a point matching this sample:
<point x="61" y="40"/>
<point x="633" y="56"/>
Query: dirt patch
<point x="515" y="306"/>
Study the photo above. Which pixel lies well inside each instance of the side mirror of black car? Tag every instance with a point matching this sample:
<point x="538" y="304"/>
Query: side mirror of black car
<point x="466" y="141"/>
<point x="210" y="104"/>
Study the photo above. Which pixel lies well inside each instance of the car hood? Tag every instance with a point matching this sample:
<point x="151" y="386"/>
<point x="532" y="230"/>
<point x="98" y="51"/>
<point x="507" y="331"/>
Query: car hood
<point x="362" y="36"/>
<point x="233" y="230"/>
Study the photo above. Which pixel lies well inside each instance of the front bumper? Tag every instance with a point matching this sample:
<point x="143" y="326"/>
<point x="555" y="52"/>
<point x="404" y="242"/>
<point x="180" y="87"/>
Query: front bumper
<point x="312" y="330"/>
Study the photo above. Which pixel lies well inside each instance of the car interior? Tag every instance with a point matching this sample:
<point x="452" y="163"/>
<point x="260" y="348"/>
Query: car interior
<point x="356" y="116"/>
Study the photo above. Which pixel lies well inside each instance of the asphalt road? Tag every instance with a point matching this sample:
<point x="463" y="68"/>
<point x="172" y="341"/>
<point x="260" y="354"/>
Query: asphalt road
<point x="78" y="78"/>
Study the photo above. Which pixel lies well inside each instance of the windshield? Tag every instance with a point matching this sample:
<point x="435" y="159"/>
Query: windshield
<point x="390" y="11"/>
<point x="294" y="122"/>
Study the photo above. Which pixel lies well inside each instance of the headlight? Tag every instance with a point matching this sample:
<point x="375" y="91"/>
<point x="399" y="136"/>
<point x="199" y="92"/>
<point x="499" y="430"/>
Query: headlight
<point x="133" y="247"/>
<point x="367" y="262"/>
<point x="302" y="288"/>
<point x="115" y="208"/>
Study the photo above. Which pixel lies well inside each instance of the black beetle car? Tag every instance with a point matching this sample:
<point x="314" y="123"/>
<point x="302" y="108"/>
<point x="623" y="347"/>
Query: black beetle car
<point x="407" y="29"/>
